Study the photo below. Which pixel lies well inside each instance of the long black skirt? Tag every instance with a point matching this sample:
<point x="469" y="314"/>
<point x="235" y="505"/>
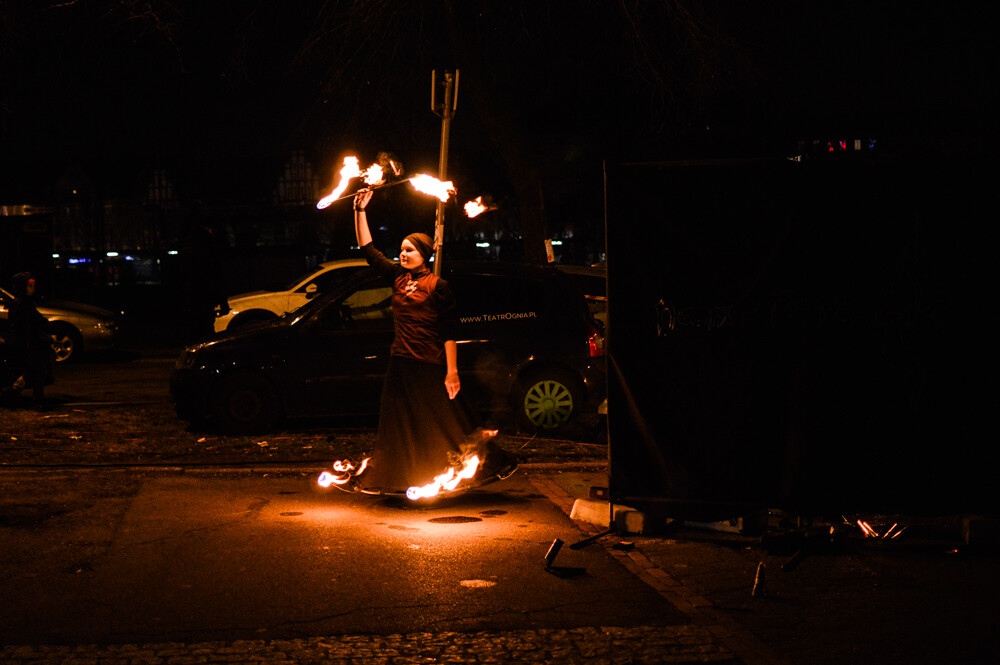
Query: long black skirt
<point x="421" y="433"/>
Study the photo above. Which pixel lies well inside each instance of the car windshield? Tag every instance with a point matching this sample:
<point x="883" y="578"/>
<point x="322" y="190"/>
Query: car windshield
<point x="274" y="286"/>
<point x="298" y="280"/>
<point x="301" y="278"/>
<point x="316" y="303"/>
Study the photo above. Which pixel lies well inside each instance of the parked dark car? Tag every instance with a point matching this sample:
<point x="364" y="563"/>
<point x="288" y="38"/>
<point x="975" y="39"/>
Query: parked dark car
<point x="594" y="282"/>
<point x="528" y="348"/>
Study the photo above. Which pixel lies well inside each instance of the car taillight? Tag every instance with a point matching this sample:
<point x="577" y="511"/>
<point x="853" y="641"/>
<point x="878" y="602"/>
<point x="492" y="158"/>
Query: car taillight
<point x="595" y="341"/>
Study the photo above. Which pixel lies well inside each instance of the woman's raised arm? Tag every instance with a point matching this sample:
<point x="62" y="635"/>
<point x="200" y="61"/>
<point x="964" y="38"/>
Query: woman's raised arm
<point x="361" y="231"/>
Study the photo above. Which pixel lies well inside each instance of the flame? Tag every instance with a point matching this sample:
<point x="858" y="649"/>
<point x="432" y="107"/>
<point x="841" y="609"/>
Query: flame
<point x="350" y="170"/>
<point x="867" y="529"/>
<point x="373" y="175"/>
<point x="345" y="471"/>
<point x="448" y="480"/>
<point x="431" y="185"/>
<point x="475" y="208"/>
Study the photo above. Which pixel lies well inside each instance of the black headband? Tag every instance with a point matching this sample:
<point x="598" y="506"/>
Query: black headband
<point x="423" y="244"/>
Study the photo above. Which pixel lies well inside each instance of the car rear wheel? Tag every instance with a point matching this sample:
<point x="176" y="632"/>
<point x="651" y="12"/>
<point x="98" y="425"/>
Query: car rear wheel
<point x="65" y="343"/>
<point x="548" y="400"/>
<point x="245" y="404"/>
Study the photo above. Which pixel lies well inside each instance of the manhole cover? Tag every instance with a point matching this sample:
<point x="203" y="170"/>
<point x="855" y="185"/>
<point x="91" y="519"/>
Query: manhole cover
<point x="493" y="513"/>
<point x="455" y="519"/>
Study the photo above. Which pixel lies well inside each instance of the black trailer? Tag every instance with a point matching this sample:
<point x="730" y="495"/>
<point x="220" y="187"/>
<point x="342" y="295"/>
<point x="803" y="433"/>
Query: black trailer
<point x="802" y="334"/>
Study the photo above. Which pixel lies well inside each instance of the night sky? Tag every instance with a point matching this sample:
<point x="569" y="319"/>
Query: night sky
<point x="98" y="93"/>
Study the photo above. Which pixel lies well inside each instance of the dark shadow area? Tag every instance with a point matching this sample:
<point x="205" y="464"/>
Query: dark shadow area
<point x="799" y="344"/>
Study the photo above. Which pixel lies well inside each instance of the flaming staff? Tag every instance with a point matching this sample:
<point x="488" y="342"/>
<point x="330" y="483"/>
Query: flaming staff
<point x="464" y="469"/>
<point x="478" y="206"/>
<point x="431" y="185"/>
<point x="374" y="177"/>
<point x="474" y="208"/>
<point x="448" y="480"/>
<point x="344" y="471"/>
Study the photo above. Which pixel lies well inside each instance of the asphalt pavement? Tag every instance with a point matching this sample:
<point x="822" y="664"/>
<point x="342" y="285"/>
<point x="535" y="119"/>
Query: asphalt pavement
<point x="259" y="566"/>
<point x="246" y="567"/>
<point x="253" y="563"/>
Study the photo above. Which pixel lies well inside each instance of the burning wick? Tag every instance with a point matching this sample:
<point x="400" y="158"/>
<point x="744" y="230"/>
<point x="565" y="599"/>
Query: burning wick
<point x="350" y="170"/>
<point x="372" y="176"/>
<point x="345" y="471"/>
<point x="448" y="480"/>
<point x="431" y="185"/>
<point x="477" y="207"/>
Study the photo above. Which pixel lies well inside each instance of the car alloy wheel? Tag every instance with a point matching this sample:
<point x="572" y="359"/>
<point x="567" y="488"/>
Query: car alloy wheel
<point x="63" y="345"/>
<point x="549" y="402"/>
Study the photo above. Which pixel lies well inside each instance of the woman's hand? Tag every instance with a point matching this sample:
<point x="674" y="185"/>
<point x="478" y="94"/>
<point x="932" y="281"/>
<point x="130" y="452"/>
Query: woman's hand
<point x="362" y="198"/>
<point x="452" y="384"/>
<point x="361" y="231"/>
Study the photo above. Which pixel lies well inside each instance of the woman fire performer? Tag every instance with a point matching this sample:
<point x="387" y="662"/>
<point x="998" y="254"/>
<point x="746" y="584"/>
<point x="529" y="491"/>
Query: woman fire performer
<point x="425" y="426"/>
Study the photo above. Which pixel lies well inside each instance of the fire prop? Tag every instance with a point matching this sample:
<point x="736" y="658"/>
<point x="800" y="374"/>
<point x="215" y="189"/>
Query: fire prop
<point x="374" y="178"/>
<point x="474" y="208"/>
<point x="430" y="185"/>
<point x="344" y="472"/>
<point x="373" y="175"/>
<point x="477" y="207"/>
<point x="448" y="480"/>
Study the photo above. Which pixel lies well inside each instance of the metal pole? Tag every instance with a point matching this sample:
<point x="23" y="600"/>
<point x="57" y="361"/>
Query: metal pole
<point x="446" y="110"/>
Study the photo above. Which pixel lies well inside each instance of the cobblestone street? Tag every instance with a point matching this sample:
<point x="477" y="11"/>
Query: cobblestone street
<point x="610" y="645"/>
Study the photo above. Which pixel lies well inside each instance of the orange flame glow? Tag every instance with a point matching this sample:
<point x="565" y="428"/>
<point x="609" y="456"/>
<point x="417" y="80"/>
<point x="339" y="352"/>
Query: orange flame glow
<point x="372" y="176"/>
<point x="448" y="480"/>
<point x="867" y="529"/>
<point x="344" y="472"/>
<point x="350" y="170"/>
<point x="431" y="185"/>
<point x="475" y="208"/>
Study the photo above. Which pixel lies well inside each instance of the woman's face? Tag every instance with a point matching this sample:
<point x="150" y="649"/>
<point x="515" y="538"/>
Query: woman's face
<point x="409" y="257"/>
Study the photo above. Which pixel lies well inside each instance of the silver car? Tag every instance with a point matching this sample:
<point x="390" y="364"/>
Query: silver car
<point x="75" y="327"/>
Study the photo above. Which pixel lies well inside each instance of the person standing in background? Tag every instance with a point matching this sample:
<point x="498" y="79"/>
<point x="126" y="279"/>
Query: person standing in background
<point x="30" y="340"/>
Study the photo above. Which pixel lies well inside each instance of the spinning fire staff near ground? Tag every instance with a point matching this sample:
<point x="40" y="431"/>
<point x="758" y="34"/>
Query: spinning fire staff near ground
<point x="425" y="424"/>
